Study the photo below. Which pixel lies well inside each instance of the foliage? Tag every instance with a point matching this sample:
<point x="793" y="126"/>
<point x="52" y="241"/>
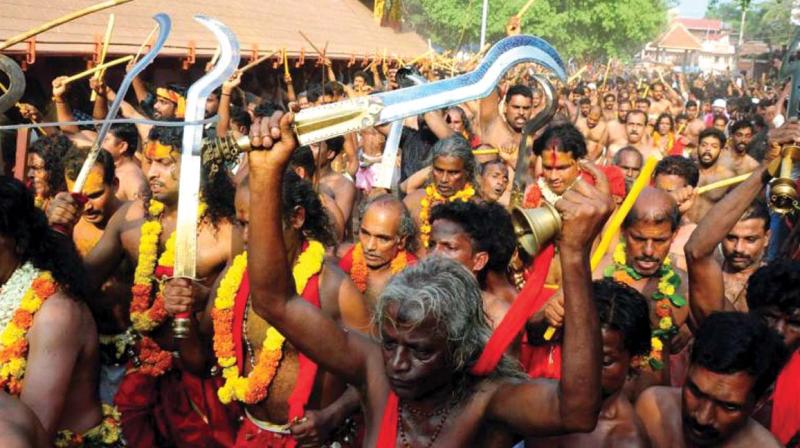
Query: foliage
<point x="766" y="20"/>
<point x="583" y="29"/>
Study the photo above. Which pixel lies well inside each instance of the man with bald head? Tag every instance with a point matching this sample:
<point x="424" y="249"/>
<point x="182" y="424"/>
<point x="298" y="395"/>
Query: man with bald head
<point x="595" y="130"/>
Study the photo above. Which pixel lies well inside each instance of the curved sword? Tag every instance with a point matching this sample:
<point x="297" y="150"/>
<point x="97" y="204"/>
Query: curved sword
<point x="164" y="26"/>
<point x="323" y="122"/>
<point x="191" y="163"/>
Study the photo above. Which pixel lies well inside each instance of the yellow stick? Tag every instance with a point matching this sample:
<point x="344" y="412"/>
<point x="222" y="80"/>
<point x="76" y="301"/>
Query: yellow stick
<point x="145" y="43"/>
<point x="103" y="53"/>
<point x="285" y="63"/>
<point x="256" y="62"/>
<point x="19" y="106"/>
<point x="577" y="74"/>
<point x="59" y="21"/>
<point x="214" y="57"/>
<point x="525" y="8"/>
<point x="96" y="69"/>
<point x="605" y="76"/>
<point x="723" y="183"/>
<point x="616" y="221"/>
<point x="420" y="57"/>
<point x="485" y="152"/>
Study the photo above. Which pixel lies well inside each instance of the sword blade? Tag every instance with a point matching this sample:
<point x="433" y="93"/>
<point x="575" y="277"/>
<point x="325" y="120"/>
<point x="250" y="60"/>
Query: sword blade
<point x="191" y="162"/>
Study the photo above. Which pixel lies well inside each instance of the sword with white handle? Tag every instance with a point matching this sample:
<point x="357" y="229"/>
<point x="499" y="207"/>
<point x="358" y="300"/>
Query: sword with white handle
<point x="191" y="161"/>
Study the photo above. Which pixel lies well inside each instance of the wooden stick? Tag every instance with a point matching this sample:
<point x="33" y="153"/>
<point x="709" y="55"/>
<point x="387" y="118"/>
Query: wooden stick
<point x="146" y="42"/>
<point x="59" y="21"/>
<point x="214" y="58"/>
<point x="525" y="8"/>
<point x="96" y="69"/>
<point x="577" y="74"/>
<point x="605" y="76"/>
<point x="310" y="43"/>
<point x="103" y="53"/>
<point x="19" y="106"/>
<point x="485" y="152"/>
<point x="723" y="183"/>
<point x="285" y="63"/>
<point x="420" y="57"/>
<point x="256" y="62"/>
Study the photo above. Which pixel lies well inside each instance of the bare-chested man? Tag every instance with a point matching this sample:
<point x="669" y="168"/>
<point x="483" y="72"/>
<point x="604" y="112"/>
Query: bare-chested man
<point x="54" y="372"/>
<point x="625" y="327"/>
<point x="503" y="132"/>
<point x="415" y="384"/>
<point x="659" y="103"/>
<point x="138" y="233"/>
<point x="735" y="155"/>
<point x="636" y="133"/>
<point x="272" y="419"/>
<point x="734" y="360"/>
<point x="630" y="161"/>
<point x="679" y="176"/>
<point x="19" y="427"/>
<point x="711" y="142"/>
<point x="609" y="107"/>
<point x="617" y="136"/>
<point x="595" y="132"/>
<point x="741" y="224"/>
<point x="341" y="189"/>
<point x="695" y="125"/>
<point x="387" y="242"/>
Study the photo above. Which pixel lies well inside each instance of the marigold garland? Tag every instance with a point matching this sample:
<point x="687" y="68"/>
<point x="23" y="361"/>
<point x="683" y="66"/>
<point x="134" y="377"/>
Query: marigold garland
<point x="147" y="315"/>
<point x="432" y="196"/>
<point x="254" y="387"/>
<point x="107" y="434"/>
<point x="359" y="272"/>
<point x="666" y="296"/>
<point x="13" y="340"/>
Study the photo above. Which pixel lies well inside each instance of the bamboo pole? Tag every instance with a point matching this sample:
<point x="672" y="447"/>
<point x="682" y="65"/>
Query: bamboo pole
<point x="723" y="183"/>
<point x="96" y="69"/>
<point x="19" y="106"/>
<point x="256" y="62"/>
<point x="103" y="53"/>
<point x="525" y="8"/>
<point x="577" y="74"/>
<point x="286" y="63"/>
<point x="146" y="42"/>
<point x="60" y="21"/>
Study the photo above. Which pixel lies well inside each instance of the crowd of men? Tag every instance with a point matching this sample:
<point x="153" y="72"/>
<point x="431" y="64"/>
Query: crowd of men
<point x="328" y="311"/>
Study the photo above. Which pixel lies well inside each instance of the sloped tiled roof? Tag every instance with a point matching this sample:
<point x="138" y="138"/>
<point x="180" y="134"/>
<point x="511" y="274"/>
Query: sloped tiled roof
<point x="347" y="26"/>
<point x="701" y="24"/>
<point x="678" y="37"/>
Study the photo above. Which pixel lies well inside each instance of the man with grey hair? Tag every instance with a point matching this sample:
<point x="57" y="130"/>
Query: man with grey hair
<point x="416" y="382"/>
<point x="387" y="240"/>
<point x="454" y="177"/>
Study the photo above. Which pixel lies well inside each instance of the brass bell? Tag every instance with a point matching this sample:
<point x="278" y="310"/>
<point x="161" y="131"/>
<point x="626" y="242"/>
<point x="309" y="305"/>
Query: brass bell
<point x="535" y="227"/>
<point x="783" y="189"/>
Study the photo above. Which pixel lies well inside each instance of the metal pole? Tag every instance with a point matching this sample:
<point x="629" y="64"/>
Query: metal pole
<point x="483" y="22"/>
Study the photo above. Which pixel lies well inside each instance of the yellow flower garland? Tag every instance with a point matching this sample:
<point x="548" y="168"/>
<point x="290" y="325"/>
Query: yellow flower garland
<point x="432" y="196"/>
<point x="254" y="387"/>
<point x="13" y="341"/>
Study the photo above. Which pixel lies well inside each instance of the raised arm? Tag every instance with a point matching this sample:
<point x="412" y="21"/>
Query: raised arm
<point x="706" y="287"/>
<point x="224" y="110"/>
<point x="63" y="110"/>
<point x="128" y="111"/>
<point x="439" y="127"/>
<point x="571" y="405"/>
<point x="272" y="292"/>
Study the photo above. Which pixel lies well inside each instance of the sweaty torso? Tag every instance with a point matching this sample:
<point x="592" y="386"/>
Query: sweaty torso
<point x="739" y="164"/>
<point x="707" y="200"/>
<point x="132" y="182"/>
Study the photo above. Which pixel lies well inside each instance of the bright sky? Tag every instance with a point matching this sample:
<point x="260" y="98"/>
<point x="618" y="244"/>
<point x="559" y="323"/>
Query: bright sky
<point x="693" y="8"/>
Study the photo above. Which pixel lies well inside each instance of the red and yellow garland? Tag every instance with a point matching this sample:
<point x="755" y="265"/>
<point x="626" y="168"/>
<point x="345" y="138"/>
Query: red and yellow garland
<point x="359" y="271"/>
<point x="432" y="196"/>
<point x="13" y="341"/>
<point x="254" y="387"/>
<point x="147" y="315"/>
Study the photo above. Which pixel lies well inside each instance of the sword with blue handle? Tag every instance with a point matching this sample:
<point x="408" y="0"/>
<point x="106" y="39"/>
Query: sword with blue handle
<point x="191" y="160"/>
<point x="321" y="123"/>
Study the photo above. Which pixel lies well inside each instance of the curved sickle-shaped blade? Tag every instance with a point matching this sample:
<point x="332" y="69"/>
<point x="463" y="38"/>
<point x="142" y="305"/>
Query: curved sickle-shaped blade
<point x="323" y="122"/>
<point x="16" y="84"/>
<point x="164" y="27"/>
<point x="534" y="124"/>
<point x="188" y="196"/>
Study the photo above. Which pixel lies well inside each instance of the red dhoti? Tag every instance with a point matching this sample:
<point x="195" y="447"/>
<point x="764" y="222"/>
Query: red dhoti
<point x="542" y="361"/>
<point x="251" y="435"/>
<point x="176" y="409"/>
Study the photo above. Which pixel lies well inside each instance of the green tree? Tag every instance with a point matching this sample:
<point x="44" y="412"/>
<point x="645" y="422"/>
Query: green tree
<point x="767" y="20"/>
<point x="584" y="29"/>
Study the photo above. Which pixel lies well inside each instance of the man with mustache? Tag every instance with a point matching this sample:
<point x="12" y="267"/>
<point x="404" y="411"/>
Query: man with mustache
<point x="494" y="180"/>
<point x="734" y="360"/>
<point x="630" y="161"/>
<point x="695" y="125"/>
<point x="504" y="131"/>
<point x="708" y="154"/>
<point x="617" y="136"/>
<point x="735" y="156"/>
<point x="387" y="241"/>
<point x="609" y="107"/>
<point x="659" y="104"/>
<point x="636" y="132"/>
<point x="595" y="132"/>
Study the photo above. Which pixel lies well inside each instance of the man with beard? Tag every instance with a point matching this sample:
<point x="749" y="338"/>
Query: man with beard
<point x="415" y="381"/>
<point x="170" y="104"/>
<point x="736" y="156"/>
<point x="453" y="177"/>
<point x="773" y="295"/>
<point x="503" y="132"/>
<point x="625" y="328"/>
<point x="45" y="176"/>
<point x="740" y="222"/>
<point x="630" y="161"/>
<point x="609" y="107"/>
<point x="711" y="143"/>
<point x="387" y="241"/>
<point x="188" y="412"/>
<point x="660" y="104"/>
<point x="696" y="123"/>
<point x="595" y="132"/>
<point x="617" y="137"/>
<point x="734" y="360"/>
<point x="494" y="180"/>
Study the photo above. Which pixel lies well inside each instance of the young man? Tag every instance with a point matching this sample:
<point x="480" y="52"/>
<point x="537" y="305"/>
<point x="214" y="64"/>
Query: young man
<point x="49" y="340"/>
<point x="504" y="132"/>
<point x="711" y="143"/>
<point x="341" y="189"/>
<point x="415" y="386"/>
<point x="625" y="327"/>
<point x="139" y="233"/>
<point x="386" y="245"/>
<point x="735" y="156"/>
<point x="121" y="142"/>
<point x="735" y="358"/>
<point x="617" y="136"/>
<point x="595" y="132"/>
<point x="45" y="176"/>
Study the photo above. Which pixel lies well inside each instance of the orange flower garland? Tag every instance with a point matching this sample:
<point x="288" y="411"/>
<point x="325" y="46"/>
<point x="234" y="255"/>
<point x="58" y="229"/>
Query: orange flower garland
<point x="13" y="341"/>
<point x="359" y="271"/>
<point x="254" y="387"/>
<point x="432" y="196"/>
